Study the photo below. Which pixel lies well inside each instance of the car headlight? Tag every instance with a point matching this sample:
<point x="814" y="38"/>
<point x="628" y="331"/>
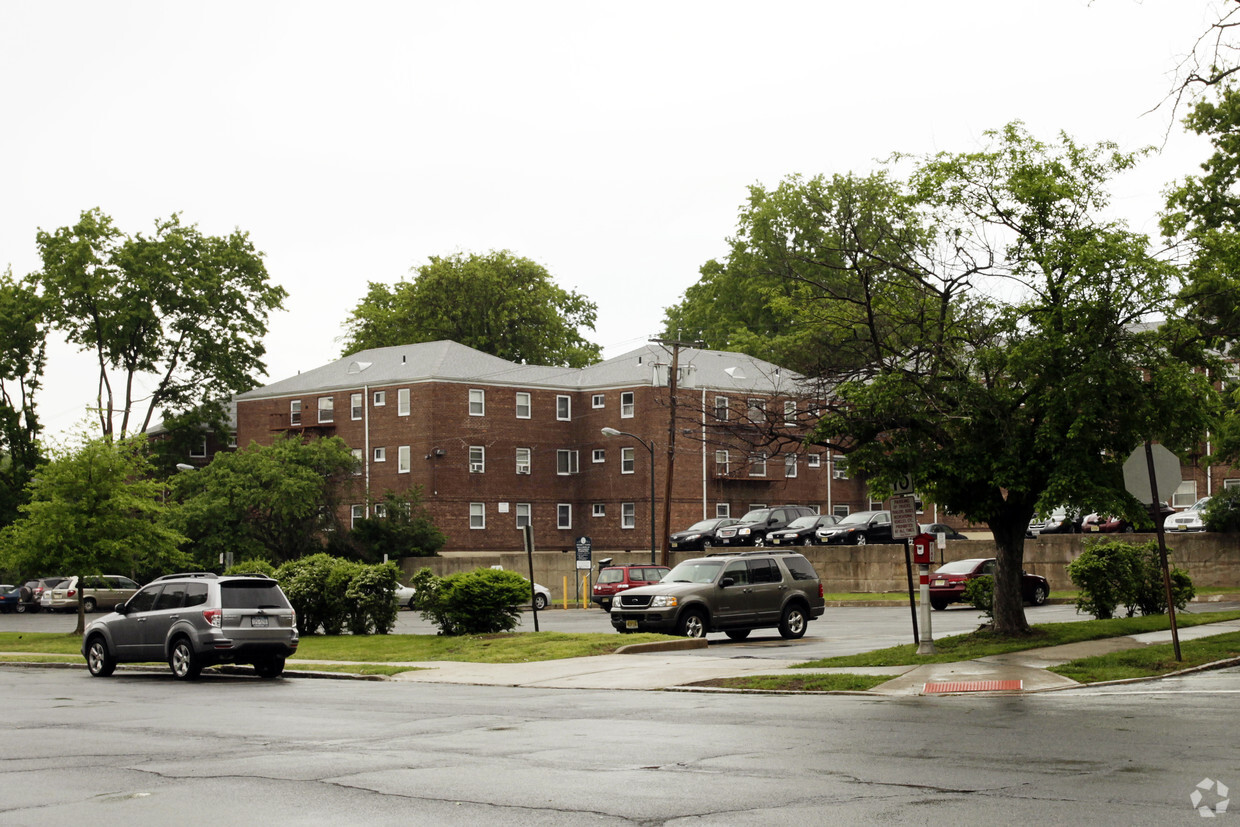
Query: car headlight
<point x="744" y="531"/>
<point x="663" y="601"/>
<point x="691" y="537"/>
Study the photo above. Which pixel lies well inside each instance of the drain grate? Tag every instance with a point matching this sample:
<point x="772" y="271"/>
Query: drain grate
<point x="973" y="686"/>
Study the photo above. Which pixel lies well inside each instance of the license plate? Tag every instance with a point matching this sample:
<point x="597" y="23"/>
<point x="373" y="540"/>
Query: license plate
<point x="1093" y="528"/>
<point x="258" y="621"/>
<point x="630" y="624"/>
<point x="940" y="582"/>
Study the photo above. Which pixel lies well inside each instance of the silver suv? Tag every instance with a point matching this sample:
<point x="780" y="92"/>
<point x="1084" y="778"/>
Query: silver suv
<point x="730" y="593"/>
<point x="197" y="620"/>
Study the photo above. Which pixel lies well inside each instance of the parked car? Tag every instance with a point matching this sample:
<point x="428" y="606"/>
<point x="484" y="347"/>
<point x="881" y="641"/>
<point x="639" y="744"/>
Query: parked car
<point x="32" y="593"/>
<point x="1060" y="521"/>
<point x="801" y="531"/>
<point x="104" y="591"/>
<point x="614" y="579"/>
<point x="1190" y="519"/>
<point x="542" y="597"/>
<point x="196" y="620"/>
<point x="942" y="528"/>
<point x="700" y="536"/>
<point x="948" y="582"/>
<point x="756" y="524"/>
<point x="1097" y="523"/>
<point x="731" y="593"/>
<point x="858" y="529"/>
<point x="404" y="596"/>
<point x="10" y="598"/>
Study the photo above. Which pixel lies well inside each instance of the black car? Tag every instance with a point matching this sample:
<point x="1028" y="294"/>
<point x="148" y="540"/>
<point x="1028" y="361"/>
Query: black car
<point x="942" y="528"/>
<point x="858" y="529"/>
<point x="801" y="531"/>
<point x="699" y="536"/>
<point x="752" y="529"/>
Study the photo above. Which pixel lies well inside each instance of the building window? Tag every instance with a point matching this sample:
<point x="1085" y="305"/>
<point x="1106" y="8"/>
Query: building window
<point x="477" y="459"/>
<point x="626" y="460"/>
<point x="1230" y="484"/>
<point x="477" y="402"/>
<point x="628" y="515"/>
<point x="566" y="462"/>
<point x="294" y="412"/>
<point x="721" y="463"/>
<point x="380" y="399"/>
<point x="723" y="509"/>
<point x="355" y="406"/>
<point x="477" y="515"/>
<point x="523" y="460"/>
<point x="563" y="516"/>
<point x="599" y="455"/>
<point x="840" y="511"/>
<point x="839" y="469"/>
<point x="757" y="410"/>
<point x="402" y="402"/>
<point x="327" y="409"/>
<point x="790" y="466"/>
<point x="232" y="439"/>
<point x="790" y="412"/>
<point x="199" y="449"/>
<point x="523" y="405"/>
<point x="381" y="455"/>
<point x="380" y="511"/>
<point x="813" y="461"/>
<point x="721" y="408"/>
<point x="599" y="510"/>
<point x="358" y="459"/>
<point x="598" y="400"/>
<point x="757" y="465"/>
<point x="357" y="512"/>
<point x="523" y="515"/>
<point x="402" y="459"/>
<point x="1185" y="495"/>
<point x="626" y="405"/>
<point x="563" y="408"/>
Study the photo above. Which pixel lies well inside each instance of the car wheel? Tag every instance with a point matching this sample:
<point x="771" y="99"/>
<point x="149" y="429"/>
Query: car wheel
<point x="692" y="624"/>
<point x="938" y="605"/>
<point x="272" y="667"/>
<point x="808" y="541"/>
<point x="88" y="605"/>
<point x="99" y="660"/>
<point x="859" y="540"/>
<point x="1039" y="595"/>
<point x="792" y="622"/>
<point x="759" y="542"/>
<point x="20" y="608"/>
<point x="1129" y="529"/>
<point x="540" y="601"/>
<point x="738" y="634"/>
<point x="707" y="545"/>
<point x="182" y="661"/>
<point x="409" y="605"/>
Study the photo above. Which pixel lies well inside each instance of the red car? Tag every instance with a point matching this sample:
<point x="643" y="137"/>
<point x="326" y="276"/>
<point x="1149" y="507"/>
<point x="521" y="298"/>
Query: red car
<point x="947" y="584"/>
<point x="614" y="579"/>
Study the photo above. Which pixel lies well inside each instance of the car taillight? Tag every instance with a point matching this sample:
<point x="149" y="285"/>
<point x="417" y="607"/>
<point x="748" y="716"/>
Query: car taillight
<point x="70" y="592"/>
<point x="820" y="593"/>
<point x="212" y="616"/>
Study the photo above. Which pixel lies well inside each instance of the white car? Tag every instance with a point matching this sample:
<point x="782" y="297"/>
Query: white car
<point x="404" y="596"/>
<point x="1191" y="519"/>
<point x="542" y="597"/>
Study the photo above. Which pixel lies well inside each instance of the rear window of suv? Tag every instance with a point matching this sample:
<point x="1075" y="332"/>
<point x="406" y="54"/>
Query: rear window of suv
<point x="800" y="568"/>
<point x="252" y="594"/>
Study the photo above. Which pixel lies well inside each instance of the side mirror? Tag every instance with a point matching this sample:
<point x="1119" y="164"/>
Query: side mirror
<point x="727" y="581"/>
<point x="122" y="609"/>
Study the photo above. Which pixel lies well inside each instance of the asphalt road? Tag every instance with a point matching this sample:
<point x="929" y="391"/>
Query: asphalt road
<point x="141" y="748"/>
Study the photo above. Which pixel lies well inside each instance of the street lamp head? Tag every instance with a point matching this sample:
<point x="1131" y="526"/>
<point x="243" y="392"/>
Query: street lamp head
<point x="182" y="466"/>
<point x="610" y="432"/>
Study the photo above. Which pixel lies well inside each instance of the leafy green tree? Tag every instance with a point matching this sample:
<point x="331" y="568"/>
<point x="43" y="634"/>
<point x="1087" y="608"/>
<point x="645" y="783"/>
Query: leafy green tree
<point x="266" y="502"/>
<point x="186" y="310"/>
<point x="94" y="509"/>
<point x="497" y="303"/>
<point x="994" y="339"/>
<point x="405" y="529"/>
<point x="23" y="345"/>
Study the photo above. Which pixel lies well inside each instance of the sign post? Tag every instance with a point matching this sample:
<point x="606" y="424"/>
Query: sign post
<point x="903" y="527"/>
<point x="1162" y="472"/>
<point x="527" y="537"/>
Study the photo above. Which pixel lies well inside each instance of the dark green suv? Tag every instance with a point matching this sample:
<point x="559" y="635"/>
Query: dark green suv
<point x="730" y="593"/>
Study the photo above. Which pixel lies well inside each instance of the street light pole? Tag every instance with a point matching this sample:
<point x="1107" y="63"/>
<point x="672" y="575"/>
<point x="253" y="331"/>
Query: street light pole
<point x="649" y="446"/>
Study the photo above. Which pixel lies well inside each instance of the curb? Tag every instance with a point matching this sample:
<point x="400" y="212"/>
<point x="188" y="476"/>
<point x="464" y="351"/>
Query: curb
<point x="662" y="646"/>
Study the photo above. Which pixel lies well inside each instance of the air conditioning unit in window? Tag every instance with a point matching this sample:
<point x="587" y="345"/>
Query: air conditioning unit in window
<point x="523" y="469"/>
<point x="475" y="467"/>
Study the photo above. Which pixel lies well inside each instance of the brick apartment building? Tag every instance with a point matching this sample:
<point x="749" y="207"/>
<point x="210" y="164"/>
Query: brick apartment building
<point x="494" y="444"/>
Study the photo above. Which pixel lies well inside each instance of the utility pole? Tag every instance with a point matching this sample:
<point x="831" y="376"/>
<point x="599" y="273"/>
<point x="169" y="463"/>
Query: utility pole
<point x="672" y="379"/>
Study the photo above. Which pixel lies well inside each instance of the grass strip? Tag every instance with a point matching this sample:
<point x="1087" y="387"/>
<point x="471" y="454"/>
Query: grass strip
<point x="800" y="683"/>
<point x="1149" y="661"/>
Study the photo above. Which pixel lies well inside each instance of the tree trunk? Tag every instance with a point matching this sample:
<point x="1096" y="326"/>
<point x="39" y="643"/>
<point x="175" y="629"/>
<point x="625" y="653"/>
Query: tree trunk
<point x="1009" y="606"/>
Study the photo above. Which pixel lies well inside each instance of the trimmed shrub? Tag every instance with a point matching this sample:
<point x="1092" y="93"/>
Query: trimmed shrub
<point x="336" y="594"/>
<point x="980" y="594"/>
<point x="483" y="601"/>
<point x="1222" y="512"/>
<point x="1110" y="574"/>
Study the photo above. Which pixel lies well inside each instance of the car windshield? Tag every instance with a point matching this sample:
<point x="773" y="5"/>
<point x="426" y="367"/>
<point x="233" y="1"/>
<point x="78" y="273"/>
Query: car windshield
<point x="694" y="571"/>
<point x="804" y="522"/>
<point x="704" y="525"/>
<point x="1200" y="504"/>
<point x="610" y="576"/>
<point x="958" y="567"/>
<point x="758" y="515"/>
<point x="859" y="518"/>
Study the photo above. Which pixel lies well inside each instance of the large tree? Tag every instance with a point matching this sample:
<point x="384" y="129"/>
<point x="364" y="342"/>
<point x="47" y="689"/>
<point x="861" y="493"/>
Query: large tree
<point x="94" y="508"/>
<point x="498" y="303"/>
<point x="172" y="319"/>
<point x="23" y="340"/>
<point x="995" y="340"/>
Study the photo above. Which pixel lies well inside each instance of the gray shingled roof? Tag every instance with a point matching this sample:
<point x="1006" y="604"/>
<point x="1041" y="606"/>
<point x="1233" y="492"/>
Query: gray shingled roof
<point x="448" y="361"/>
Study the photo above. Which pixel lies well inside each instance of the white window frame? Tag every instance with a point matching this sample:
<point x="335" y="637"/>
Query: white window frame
<point x="380" y="455"/>
<point x="628" y="460"/>
<point x="790" y="412"/>
<point x="402" y="402"/>
<point x="628" y="515"/>
<point x="756" y="409"/>
<point x="563" y="408"/>
<point x="477" y="402"/>
<point x="757" y="464"/>
<point x="1232" y="483"/>
<point x="477" y="516"/>
<point x="294" y="412"/>
<point x="566" y="458"/>
<point x="477" y="459"/>
<point x="524" y="460"/>
<point x="598" y="510"/>
<point x="359" y="459"/>
<point x="327" y="412"/>
<point x="627" y="405"/>
<point x="723" y="509"/>
<point x="813" y="460"/>
<point x="790" y="466"/>
<point x="379" y="399"/>
<point x="839" y="467"/>
<point x="598" y="400"/>
<point x="523" y="514"/>
<point x="199" y="449"/>
<point x="723" y="462"/>
<point x="403" y="459"/>
<point x="380" y="511"/>
<point x="599" y="455"/>
<point x="721" y="408"/>
<point x="1185" y="495"/>
<point x="840" y="511"/>
<point x="564" y="516"/>
<point x="356" y="512"/>
<point x="524" y="403"/>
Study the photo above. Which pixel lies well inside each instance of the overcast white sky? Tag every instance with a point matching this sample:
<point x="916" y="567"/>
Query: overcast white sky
<point x="612" y="143"/>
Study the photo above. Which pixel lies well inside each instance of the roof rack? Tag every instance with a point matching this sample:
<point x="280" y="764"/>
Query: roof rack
<point x="203" y="574"/>
<point x="749" y="553"/>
